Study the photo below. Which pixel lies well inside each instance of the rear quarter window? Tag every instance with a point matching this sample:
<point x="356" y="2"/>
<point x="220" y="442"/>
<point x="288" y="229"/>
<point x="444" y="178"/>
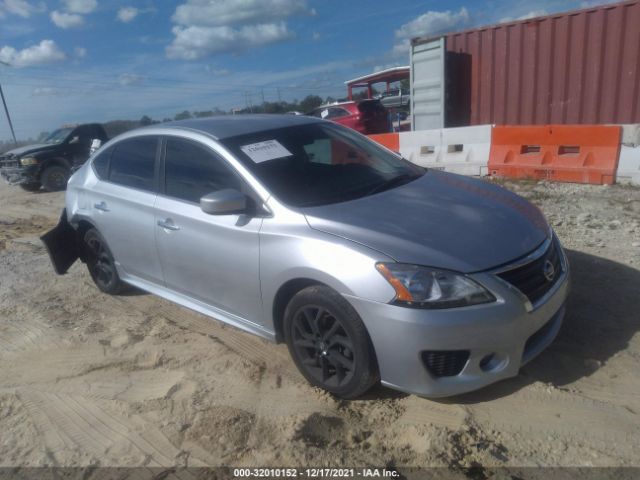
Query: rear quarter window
<point x="101" y="163"/>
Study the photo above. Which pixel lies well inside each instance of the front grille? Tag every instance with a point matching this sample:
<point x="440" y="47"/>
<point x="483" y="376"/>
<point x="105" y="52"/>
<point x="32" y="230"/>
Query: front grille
<point x="530" y="278"/>
<point x="445" y="363"/>
<point x="9" y="161"/>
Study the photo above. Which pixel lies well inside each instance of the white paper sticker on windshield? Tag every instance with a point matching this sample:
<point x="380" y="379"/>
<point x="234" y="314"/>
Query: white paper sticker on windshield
<point x="324" y="113"/>
<point x="263" y="151"/>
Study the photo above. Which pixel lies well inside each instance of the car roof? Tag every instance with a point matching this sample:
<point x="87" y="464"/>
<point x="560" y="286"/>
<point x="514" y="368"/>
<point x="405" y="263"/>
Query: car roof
<point x="226" y="126"/>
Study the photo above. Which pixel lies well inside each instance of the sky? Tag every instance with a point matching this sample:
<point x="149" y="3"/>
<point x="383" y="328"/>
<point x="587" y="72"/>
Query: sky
<point x="71" y="61"/>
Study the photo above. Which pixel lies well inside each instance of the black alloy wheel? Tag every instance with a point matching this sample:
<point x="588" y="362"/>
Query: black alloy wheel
<point x="100" y="263"/>
<point x="329" y="343"/>
<point x="324" y="346"/>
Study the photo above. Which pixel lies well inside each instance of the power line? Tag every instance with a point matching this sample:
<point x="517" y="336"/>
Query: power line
<point x="6" y="109"/>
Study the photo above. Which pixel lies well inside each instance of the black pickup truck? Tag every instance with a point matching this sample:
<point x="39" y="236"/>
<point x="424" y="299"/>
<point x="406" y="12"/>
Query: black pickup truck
<point x="49" y="164"/>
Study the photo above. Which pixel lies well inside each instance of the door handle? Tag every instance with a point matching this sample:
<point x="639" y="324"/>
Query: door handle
<point x="101" y="206"/>
<point x="168" y="224"/>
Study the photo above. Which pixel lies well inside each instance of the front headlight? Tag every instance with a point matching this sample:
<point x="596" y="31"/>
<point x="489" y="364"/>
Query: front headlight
<point x="26" y="161"/>
<point x="423" y="287"/>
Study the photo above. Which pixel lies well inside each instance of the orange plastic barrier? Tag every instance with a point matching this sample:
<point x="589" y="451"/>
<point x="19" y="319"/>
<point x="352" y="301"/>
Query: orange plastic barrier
<point x="564" y="153"/>
<point x="389" y="140"/>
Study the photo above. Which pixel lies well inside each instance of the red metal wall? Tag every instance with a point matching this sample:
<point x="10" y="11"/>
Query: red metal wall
<point x="575" y="67"/>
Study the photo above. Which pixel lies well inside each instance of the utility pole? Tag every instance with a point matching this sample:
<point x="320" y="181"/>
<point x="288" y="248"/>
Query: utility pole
<point x="262" y="95"/>
<point x="279" y="99"/>
<point x="6" y="110"/>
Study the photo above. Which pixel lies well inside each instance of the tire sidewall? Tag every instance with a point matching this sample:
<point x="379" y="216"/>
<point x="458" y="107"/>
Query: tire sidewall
<point x="48" y="173"/>
<point x="366" y="370"/>
<point x="114" y="285"/>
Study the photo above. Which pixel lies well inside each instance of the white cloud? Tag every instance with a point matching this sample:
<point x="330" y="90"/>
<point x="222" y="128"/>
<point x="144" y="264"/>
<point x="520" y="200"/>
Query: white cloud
<point x="21" y="8"/>
<point x="209" y="27"/>
<point x="595" y="3"/>
<point x="316" y="36"/>
<point x="427" y="24"/>
<point x="45" y="92"/>
<point x="217" y="72"/>
<point x="192" y="43"/>
<point x="526" y="16"/>
<point x="126" y="14"/>
<point x="80" y="6"/>
<point x="379" y="68"/>
<point x="80" y="52"/>
<point x="127" y="79"/>
<point x="45" y="52"/>
<point x="66" y="20"/>
<point x="215" y="13"/>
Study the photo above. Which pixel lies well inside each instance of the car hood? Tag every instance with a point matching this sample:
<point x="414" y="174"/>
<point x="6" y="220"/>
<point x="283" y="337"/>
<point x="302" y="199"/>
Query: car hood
<point x="440" y="220"/>
<point x="38" y="147"/>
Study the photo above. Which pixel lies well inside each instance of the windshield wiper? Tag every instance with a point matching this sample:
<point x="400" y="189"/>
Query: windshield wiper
<point x="393" y="182"/>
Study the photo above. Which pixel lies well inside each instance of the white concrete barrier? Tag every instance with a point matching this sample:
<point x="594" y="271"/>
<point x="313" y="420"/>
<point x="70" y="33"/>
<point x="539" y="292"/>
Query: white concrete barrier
<point x="463" y="150"/>
<point x="630" y="134"/>
<point x="421" y="147"/>
<point x="629" y="165"/>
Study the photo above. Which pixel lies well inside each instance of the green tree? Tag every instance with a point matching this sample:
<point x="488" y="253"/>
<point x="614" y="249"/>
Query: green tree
<point x="183" y="116"/>
<point x="309" y="103"/>
<point x="145" y="121"/>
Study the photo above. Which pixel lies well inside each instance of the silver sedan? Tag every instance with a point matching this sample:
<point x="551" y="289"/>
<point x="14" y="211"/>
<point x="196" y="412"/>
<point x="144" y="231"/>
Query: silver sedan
<point x="299" y="230"/>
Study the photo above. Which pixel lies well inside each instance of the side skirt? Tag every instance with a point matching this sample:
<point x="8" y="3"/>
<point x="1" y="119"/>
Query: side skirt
<point x="200" y="307"/>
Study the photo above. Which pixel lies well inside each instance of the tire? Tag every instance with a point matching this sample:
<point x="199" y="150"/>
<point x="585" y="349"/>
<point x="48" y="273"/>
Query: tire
<point x="31" y="187"/>
<point x="329" y="343"/>
<point x="100" y="263"/>
<point x="55" y="178"/>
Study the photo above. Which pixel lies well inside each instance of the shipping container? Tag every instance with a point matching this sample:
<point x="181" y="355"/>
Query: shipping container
<point x="574" y="67"/>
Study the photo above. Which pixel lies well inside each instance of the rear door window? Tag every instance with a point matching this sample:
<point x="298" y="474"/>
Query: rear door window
<point x="192" y="170"/>
<point x="133" y="163"/>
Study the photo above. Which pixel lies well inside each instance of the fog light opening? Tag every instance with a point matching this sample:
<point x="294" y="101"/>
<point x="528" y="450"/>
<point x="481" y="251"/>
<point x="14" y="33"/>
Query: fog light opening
<point x="491" y="362"/>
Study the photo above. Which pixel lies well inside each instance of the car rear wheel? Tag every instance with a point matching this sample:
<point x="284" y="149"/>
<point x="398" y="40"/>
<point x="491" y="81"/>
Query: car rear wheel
<point x="31" y="187"/>
<point x="329" y="343"/>
<point x="100" y="263"/>
<point x="55" y="178"/>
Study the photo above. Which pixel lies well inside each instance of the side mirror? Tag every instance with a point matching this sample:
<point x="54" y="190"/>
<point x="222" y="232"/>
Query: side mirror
<point x="223" y="202"/>
<point x="74" y="140"/>
<point x="96" y="143"/>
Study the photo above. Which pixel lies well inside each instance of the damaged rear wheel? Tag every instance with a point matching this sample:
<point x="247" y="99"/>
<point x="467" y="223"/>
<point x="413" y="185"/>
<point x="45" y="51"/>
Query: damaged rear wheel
<point x="101" y="264"/>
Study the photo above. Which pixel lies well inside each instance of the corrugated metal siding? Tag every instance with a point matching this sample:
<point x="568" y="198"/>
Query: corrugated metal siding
<point x="427" y="85"/>
<point x="576" y="67"/>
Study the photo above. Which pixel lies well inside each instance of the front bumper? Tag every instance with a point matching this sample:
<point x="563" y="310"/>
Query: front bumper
<point x="508" y="328"/>
<point x="18" y="175"/>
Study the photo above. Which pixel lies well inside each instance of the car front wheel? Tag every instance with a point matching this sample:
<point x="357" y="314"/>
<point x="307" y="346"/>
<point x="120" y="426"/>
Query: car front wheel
<point x="55" y="178"/>
<point x="329" y="343"/>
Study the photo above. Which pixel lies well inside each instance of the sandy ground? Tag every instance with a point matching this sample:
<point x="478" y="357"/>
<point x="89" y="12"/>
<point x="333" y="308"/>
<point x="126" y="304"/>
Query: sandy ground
<point x="88" y="379"/>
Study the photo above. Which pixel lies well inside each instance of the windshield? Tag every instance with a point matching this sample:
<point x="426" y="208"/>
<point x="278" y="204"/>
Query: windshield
<point x="58" y="136"/>
<point x="320" y="163"/>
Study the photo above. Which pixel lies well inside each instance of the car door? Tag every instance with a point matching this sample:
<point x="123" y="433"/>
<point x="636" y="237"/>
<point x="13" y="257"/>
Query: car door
<point x="210" y="258"/>
<point x="122" y="202"/>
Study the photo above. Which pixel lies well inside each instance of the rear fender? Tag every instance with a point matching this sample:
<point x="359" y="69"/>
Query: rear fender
<point x="62" y="244"/>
